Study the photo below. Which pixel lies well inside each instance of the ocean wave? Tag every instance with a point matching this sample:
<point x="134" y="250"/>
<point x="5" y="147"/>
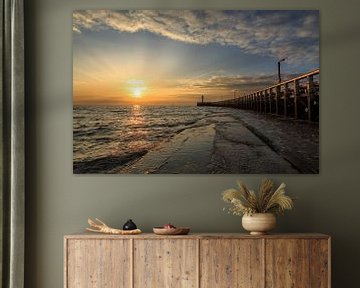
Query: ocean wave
<point x="166" y="124"/>
<point x="91" y="131"/>
<point x="105" y="164"/>
<point x="99" y="131"/>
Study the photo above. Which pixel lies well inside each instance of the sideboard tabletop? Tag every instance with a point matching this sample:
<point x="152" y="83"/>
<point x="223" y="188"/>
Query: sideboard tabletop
<point x="88" y="235"/>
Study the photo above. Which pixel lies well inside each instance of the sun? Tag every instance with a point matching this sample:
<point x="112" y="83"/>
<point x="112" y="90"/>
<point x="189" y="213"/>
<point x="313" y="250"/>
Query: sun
<point x="137" y="92"/>
<point x="136" y="88"/>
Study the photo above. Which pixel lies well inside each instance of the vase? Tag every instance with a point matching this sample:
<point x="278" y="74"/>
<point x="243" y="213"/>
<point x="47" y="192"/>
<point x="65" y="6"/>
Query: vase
<point x="129" y="225"/>
<point x="259" y="223"/>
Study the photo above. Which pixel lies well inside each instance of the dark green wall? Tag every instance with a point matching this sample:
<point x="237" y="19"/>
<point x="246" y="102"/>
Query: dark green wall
<point x="59" y="202"/>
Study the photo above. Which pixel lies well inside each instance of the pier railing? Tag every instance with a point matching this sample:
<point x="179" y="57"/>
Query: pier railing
<point x="297" y="98"/>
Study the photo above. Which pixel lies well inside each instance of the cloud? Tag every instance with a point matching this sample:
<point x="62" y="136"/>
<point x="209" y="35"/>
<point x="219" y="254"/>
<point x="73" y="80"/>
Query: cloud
<point x="237" y="82"/>
<point x="243" y="83"/>
<point x="292" y="34"/>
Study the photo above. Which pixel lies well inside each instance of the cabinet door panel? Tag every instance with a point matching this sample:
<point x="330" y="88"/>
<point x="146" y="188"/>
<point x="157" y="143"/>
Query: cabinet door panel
<point x="166" y="263"/>
<point x="287" y="263"/>
<point x="319" y="263"/>
<point x="98" y="264"/>
<point x="231" y="263"/>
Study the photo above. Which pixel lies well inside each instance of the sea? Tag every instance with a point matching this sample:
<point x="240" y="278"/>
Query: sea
<point x="108" y="137"/>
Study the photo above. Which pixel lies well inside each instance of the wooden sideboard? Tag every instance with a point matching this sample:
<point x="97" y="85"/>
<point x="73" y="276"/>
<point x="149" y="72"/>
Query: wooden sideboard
<point x="197" y="260"/>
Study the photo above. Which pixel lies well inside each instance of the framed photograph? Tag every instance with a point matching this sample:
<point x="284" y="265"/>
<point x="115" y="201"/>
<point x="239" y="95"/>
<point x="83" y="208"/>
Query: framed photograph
<point x="196" y="92"/>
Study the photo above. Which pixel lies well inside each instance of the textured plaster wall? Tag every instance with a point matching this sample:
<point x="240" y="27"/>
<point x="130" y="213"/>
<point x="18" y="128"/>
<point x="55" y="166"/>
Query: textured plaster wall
<point x="59" y="202"/>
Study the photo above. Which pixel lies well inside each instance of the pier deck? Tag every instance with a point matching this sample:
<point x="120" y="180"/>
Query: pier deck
<point x="296" y="98"/>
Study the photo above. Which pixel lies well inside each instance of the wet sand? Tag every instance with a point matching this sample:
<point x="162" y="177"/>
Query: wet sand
<point x="187" y="152"/>
<point x="224" y="143"/>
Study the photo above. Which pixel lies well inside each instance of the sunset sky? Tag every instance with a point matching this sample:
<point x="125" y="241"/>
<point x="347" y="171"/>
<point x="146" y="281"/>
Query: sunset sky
<point x="172" y="57"/>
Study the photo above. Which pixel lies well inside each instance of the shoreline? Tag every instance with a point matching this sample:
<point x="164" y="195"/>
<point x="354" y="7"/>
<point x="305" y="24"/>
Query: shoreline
<point x="227" y="141"/>
<point x="221" y="145"/>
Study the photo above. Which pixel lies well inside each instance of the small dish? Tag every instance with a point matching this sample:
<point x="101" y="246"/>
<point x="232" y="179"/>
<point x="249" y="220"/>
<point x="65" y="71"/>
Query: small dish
<point x="171" y="231"/>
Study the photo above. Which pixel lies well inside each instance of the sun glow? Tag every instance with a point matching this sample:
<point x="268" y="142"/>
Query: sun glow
<point x="137" y="92"/>
<point x="136" y="88"/>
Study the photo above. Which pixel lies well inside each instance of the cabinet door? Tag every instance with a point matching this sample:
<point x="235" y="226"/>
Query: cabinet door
<point x="320" y="263"/>
<point x="165" y="263"/>
<point x="287" y="263"/>
<point x="231" y="263"/>
<point x="98" y="263"/>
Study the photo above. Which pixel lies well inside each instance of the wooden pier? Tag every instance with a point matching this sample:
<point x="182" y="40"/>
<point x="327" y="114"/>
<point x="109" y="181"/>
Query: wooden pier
<point x="296" y="98"/>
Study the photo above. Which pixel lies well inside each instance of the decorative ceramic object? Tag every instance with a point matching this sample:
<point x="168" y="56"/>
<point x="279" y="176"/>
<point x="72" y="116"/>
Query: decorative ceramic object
<point x="259" y="209"/>
<point x="259" y="223"/>
<point x="129" y="225"/>
<point x="171" y="231"/>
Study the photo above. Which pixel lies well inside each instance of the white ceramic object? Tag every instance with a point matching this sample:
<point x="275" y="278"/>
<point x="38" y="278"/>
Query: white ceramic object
<point x="259" y="223"/>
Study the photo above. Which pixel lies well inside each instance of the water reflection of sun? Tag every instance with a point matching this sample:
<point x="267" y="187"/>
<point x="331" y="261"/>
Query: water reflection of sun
<point x="136" y="116"/>
<point x="135" y="131"/>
